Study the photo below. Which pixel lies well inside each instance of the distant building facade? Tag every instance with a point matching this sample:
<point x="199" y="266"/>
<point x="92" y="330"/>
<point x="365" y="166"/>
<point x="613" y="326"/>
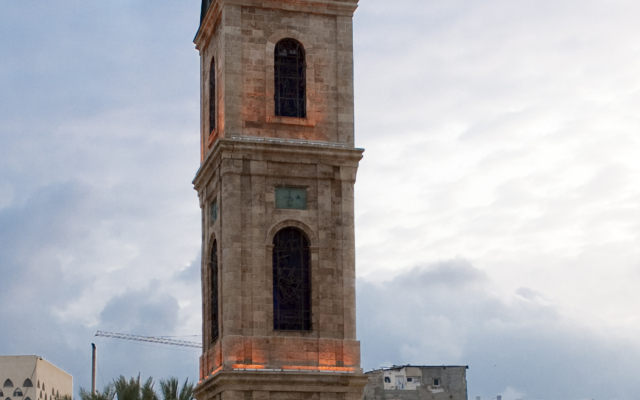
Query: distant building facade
<point x="417" y="383"/>
<point x="32" y="378"/>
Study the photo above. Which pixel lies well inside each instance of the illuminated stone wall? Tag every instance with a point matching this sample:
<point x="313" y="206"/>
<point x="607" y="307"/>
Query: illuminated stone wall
<point x="241" y="35"/>
<point x="250" y="154"/>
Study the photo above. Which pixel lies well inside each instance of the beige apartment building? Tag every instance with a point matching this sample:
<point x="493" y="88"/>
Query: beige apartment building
<point x="32" y="378"/>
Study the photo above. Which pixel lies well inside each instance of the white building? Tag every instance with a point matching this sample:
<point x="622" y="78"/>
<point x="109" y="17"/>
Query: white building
<point x="32" y="378"/>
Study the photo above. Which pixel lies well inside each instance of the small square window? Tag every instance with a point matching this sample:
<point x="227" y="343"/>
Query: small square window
<point x="213" y="211"/>
<point x="436" y="382"/>
<point x="387" y="379"/>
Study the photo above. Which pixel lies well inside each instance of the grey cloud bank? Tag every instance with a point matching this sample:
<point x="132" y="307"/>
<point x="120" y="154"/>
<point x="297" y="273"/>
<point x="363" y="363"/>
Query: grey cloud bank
<point x="522" y="346"/>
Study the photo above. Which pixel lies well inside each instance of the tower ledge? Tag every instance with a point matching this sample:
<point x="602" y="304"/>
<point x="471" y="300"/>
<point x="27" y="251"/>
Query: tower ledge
<point x="328" y="7"/>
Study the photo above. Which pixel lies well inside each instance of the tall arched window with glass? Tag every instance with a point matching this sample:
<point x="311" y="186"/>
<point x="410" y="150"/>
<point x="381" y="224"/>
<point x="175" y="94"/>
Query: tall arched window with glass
<point x="212" y="96"/>
<point x="291" y="281"/>
<point x="290" y="79"/>
<point x="213" y="280"/>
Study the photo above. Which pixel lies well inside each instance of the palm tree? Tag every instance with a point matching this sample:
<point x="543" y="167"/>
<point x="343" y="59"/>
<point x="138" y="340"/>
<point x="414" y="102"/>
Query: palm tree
<point x="108" y="393"/>
<point x="169" y="389"/>
<point x="131" y="389"/>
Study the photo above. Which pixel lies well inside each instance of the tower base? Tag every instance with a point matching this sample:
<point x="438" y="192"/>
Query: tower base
<point x="282" y="385"/>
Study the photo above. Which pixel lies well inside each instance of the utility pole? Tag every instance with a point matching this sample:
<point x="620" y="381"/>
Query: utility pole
<point x="93" y="369"/>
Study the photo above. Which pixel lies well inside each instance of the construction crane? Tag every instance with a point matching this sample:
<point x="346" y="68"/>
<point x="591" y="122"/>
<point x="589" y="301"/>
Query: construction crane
<point x="150" y="339"/>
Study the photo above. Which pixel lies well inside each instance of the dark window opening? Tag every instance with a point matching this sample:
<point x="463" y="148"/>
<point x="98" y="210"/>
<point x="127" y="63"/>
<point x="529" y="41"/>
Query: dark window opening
<point x="8" y="383"/>
<point x="213" y="272"/>
<point x="27" y="398"/>
<point x="387" y="379"/>
<point x="291" y="281"/>
<point x="17" y="393"/>
<point x="436" y="382"/>
<point x="212" y="96"/>
<point x="27" y="383"/>
<point x="213" y="211"/>
<point x="290" y="79"/>
<point x="1" y="394"/>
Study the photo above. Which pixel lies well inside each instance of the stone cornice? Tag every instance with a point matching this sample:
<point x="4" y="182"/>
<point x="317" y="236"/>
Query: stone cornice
<point x="329" y="7"/>
<point x="272" y="148"/>
<point x="281" y="381"/>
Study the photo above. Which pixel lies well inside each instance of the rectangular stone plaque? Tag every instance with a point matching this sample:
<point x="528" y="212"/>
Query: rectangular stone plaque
<point x="291" y="198"/>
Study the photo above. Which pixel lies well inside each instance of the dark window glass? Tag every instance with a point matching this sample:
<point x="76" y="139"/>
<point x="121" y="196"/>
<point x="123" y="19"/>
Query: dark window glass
<point x="290" y="79"/>
<point x="213" y="272"/>
<point x="213" y="211"/>
<point x="212" y="96"/>
<point x="27" y="398"/>
<point x="1" y="394"/>
<point x="27" y="383"/>
<point x="291" y="281"/>
<point x="8" y="383"/>
<point x="17" y="393"/>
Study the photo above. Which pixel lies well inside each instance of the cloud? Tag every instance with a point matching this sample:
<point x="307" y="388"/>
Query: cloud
<point x="521" y="345"/>
<point x="97" y="213"/>
<point x="147" y="312"/>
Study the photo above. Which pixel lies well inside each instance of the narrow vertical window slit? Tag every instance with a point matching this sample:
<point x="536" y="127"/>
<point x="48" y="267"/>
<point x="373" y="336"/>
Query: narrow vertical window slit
<point x="212" y="95"/>
<point x="213" y="272"/>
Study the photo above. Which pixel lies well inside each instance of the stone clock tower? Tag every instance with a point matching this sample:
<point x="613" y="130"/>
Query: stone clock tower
<point x="278" y="167"/>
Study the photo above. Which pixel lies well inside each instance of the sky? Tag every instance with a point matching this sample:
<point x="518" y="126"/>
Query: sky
<point x="497" y="203"/>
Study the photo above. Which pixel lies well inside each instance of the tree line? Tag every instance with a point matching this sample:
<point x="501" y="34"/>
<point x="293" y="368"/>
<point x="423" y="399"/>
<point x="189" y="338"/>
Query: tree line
<point x="132" y="389"/>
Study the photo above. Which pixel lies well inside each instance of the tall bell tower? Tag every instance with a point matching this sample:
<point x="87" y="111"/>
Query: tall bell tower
<point x="278" y="167"/>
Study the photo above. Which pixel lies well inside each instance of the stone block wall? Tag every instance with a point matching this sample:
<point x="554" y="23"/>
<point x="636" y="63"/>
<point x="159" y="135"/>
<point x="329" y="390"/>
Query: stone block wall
<point x="241" y="176"/>
<point x="242" y="34"/>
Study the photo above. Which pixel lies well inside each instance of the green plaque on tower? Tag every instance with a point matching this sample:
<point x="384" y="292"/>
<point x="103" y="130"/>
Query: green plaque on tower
<point x="291" y="198"/>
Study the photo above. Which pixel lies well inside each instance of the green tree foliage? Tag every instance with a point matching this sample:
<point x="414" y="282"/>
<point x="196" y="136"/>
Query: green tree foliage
<point x="169" y="389"/>
<point x="108" y="393"/>
<point x="131" y="389"/>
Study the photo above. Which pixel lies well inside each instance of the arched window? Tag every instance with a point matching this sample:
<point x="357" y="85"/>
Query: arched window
<point x="1" y="394"/>
<point x="17" y="393"/>
<point x="8" y="383"/>
<point x="27" y="398"/>
<point x="212" y="95"/>
<point x="291" y="281"/>
<point x="213" y="276"/>
<point x="27" y="383"/>
<point x="290" y="79"/>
